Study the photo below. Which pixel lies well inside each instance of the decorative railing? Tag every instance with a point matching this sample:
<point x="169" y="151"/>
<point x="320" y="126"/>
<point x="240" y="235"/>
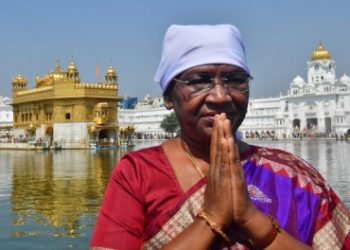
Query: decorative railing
<point x="35" y="90"/>
<point x="96" y="85"/>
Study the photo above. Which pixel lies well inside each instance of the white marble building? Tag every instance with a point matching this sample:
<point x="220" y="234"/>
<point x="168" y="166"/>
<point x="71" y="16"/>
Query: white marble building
<point x="145" y="118"/>
<point x="319" y="106"/>
<point x="6" y="117"/>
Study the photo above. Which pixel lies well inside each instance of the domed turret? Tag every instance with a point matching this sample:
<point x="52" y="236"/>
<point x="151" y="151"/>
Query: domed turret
<point x="111" y="75"/>
<point x="102" y="110"/>
<point x="320" y="54"/>
<point x="19" y="79"/>
<point x="72" y="72"/>
<point x="299" y="81"/>
<point x="19" y="83"/>
<point x="345" y="79"/>
<point x="72" y="68"/>
<point x="111" y="71"/>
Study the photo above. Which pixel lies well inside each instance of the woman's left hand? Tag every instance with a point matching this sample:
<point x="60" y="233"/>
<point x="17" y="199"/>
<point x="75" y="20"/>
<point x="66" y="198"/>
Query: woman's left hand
<point x="242" y="206"/>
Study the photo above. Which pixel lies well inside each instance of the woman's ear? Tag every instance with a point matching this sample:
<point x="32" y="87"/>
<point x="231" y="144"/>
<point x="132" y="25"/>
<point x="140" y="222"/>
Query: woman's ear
<point x="168" y="103"/>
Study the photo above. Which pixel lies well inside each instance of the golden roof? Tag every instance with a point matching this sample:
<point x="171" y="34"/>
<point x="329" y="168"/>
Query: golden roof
<point x="320" y="54"/>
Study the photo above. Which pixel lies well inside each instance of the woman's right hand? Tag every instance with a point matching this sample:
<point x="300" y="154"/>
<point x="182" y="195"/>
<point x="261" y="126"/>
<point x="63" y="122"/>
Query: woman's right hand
<point x="218" y="194"/>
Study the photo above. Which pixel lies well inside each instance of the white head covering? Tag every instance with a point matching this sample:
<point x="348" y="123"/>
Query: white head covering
<point x="187" y="46"/>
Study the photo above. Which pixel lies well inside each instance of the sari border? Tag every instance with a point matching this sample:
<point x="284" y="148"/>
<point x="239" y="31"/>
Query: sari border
<point x="333" y="233"/>
<point x="178" y="222"/>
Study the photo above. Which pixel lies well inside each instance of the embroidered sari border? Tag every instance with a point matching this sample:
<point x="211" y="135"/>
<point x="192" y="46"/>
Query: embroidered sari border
<point x="179" y="221"/>
<point x="332" y="235"/>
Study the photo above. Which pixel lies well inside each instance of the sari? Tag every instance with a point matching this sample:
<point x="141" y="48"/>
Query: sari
<point x="145" y="207"/>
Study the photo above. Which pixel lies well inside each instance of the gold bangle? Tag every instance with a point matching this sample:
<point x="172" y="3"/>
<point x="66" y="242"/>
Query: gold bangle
<point x="204" y="216"/>
<point x="270" y="236"/>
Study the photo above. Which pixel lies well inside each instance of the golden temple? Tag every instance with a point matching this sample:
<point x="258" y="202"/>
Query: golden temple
<point x="61" y="109"/>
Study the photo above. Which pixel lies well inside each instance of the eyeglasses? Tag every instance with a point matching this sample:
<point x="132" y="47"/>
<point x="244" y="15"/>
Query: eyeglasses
<point x="199" y="84"/>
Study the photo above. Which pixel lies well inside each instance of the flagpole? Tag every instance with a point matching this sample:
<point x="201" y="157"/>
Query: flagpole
<point x="98" y="72"/>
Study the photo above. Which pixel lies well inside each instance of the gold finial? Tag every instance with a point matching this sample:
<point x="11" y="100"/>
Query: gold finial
<point x="58" y="66"/>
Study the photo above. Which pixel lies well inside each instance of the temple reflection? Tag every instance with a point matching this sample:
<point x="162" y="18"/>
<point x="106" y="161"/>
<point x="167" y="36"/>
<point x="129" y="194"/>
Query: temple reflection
<point x="61" y="191"/>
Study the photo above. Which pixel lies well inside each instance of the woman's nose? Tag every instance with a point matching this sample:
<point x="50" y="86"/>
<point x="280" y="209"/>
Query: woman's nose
<point x="219" y="93"/>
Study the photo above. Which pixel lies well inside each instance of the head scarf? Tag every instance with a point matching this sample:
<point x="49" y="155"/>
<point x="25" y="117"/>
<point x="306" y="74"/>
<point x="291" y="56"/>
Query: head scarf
<point x="187" y="46"/>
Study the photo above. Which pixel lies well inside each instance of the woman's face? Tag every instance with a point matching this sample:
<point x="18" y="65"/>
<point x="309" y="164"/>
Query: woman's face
<point x="196" y="104"/>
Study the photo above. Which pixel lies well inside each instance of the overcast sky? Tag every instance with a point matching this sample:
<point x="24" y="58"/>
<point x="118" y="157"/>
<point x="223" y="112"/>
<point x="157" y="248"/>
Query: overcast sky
<point x="279" y="36"/>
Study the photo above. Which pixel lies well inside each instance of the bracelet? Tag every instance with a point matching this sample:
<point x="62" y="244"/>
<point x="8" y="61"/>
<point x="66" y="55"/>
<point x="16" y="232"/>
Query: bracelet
<point x="204" y="216"/>
<point x="270" y="237"/>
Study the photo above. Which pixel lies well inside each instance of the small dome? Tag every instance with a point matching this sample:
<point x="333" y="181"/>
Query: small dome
<point x="345" y="79"/>
<point x="320" y="54"/>
<point x="111" y="71"/>
<point x="299" y="81"/>
<point x="19" y="78"/>
<point x="72" y="67"/>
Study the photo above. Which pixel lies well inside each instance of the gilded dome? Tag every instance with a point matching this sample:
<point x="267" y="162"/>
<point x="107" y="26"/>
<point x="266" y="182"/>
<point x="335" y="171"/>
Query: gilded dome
<point x="72" y="68"/>
<point x="20" y="78"/>
<point x="320" y="54"/>
<point x="111" y="71"/>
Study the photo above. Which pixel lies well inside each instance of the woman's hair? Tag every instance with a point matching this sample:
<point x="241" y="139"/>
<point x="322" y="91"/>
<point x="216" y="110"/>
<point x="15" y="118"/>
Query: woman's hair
<point x="169" y="90"/>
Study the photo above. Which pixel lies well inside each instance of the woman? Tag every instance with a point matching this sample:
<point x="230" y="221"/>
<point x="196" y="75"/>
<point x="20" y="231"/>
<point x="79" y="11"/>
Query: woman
<point x="205" y="189"/>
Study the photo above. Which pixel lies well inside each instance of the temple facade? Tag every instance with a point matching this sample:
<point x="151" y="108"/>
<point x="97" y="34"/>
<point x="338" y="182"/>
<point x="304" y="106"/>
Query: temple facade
<point x="63" y="110"/>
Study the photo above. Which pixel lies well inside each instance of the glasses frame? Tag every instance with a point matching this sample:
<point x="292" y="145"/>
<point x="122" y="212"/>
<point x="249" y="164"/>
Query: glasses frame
<point x="234" y="90"/>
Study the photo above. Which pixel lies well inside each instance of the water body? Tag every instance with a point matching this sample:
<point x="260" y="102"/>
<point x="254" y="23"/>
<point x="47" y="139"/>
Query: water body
<point x="49" y="200"/>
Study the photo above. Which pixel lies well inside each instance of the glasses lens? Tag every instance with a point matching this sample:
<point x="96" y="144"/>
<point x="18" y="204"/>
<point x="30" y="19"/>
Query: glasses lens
<point x="236" y="79"/>
<point x="237" y="82"/>
<point x="199" y="79"/>
<point x="199" y="82"/>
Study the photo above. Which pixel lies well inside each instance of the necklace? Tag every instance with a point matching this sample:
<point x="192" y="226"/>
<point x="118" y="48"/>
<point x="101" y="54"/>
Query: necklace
<point x="190" y="157"/>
